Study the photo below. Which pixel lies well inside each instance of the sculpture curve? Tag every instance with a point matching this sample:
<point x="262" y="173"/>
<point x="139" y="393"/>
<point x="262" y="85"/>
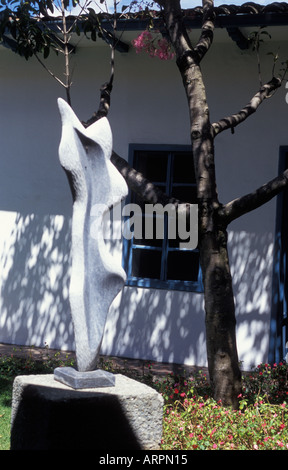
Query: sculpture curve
<point x="96" y="279"/>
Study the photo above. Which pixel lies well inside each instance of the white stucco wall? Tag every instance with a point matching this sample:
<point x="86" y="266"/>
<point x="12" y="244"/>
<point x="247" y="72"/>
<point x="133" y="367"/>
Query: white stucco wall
<point x="148" y="106"/>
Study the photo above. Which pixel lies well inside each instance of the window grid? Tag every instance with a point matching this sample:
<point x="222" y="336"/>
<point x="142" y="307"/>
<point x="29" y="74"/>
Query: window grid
<point x="132" y="249"/>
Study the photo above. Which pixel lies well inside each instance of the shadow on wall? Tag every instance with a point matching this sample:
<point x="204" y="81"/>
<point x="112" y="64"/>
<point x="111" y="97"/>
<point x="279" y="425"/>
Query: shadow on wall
<point x="165" y="326"/>
<point x="169" y="326"/>
<point x="251" y="259"/>
<point x="150" y="324"/>
<point x="34" y="281"/>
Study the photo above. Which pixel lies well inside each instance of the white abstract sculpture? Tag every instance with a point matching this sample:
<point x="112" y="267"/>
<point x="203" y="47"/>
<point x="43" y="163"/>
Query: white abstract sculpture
<point x="95" y="278"/>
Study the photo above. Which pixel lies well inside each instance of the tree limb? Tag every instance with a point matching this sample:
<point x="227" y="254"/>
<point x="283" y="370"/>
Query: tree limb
<point x="207" y="34"/>
<point x="176" y="29"/>
<point x="49" y="71"/>
<point x="233" y="121"/>
<point x="244" y="204"/>
<point x="139" y="184"/>
<point x="104" y="105"/>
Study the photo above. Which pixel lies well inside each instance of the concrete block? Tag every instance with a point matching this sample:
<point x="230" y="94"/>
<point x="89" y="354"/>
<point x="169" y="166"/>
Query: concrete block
<point x="49" y="415"/>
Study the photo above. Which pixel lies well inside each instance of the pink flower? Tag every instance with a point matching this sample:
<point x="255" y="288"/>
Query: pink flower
<point x="145" y="42"/>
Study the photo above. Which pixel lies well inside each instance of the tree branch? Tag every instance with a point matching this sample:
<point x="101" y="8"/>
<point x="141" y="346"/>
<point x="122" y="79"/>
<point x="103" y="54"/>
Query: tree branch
<point x="207" y="34"/>
<point x="244" y="204"/>
<point x="66" y="39"/>
<point x="49" y="71"/>
<point x="176" y="29"/>
<point x="233" y="121"/>
<point x="139" y="184"/>
<point x="106" y="89"/>
<point x="104" y="105"/>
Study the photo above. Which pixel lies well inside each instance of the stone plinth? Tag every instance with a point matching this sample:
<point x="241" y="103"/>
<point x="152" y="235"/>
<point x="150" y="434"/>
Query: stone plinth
<point x="75" y="379"/>
<point x="47" y="415"/>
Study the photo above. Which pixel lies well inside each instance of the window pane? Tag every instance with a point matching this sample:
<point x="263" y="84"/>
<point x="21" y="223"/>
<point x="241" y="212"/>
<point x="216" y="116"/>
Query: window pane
<point x="153" y="165"/>
<point x="185" y="193"/>
<point x="183" y="265"/>
<point x="183" y="168"/>
<point x="146" y="263"/>
<point x="152" y="227"/>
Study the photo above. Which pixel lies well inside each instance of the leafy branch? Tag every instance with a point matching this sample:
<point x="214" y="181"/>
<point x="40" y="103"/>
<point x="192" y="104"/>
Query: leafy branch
<point x="29" y="28"/>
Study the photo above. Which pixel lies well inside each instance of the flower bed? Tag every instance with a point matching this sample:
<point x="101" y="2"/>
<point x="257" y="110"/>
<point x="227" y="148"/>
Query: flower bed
<point x="194" y="421"/>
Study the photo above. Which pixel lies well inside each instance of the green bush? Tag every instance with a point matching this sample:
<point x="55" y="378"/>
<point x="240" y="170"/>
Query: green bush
<point x="17" y="364"/>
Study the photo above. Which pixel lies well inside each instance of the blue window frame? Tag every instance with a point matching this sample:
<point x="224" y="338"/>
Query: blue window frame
<point x="156" y="263"/>
<point x="279" y="313"/>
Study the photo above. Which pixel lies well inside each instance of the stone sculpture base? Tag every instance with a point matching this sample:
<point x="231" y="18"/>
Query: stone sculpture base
<point x="91" y="379"/>
<point x="49" y="415"/>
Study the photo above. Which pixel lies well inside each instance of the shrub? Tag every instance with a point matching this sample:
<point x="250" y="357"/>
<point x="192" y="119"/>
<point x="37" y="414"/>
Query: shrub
<point x="16" y="364"/>
<point x="207" y="425"/>
<point x="194" y="421"/>
<point x="268" y="381"/>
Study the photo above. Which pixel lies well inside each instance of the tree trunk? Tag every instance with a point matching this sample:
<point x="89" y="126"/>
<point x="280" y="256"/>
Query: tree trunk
<point x="224" y="372"/>
<point x="220" y="320"/>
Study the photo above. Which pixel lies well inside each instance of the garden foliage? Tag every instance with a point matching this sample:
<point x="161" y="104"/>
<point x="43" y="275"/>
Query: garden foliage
<point x="194" y="421"/>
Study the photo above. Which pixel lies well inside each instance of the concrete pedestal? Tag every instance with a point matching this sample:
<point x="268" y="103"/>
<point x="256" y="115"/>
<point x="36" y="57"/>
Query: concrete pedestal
<point x="47" y="415"/>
